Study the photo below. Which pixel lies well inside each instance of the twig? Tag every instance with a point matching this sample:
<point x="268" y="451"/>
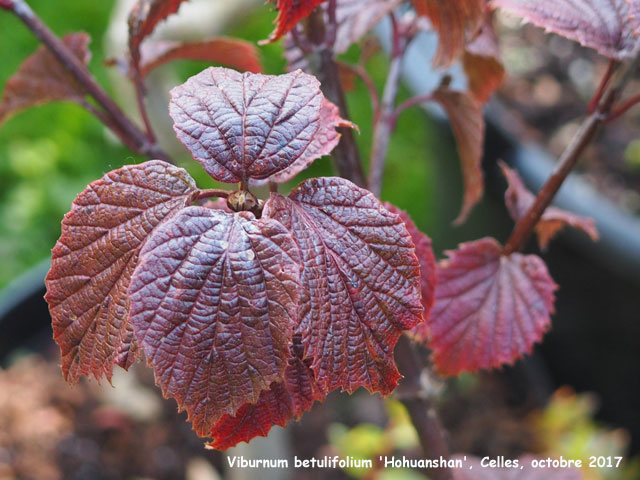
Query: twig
<point x="622" y="109"/>
<point x="359" y="71"/>
<point x="138" y="140"/>
<point x="593" y="104"/>
<point x="346" y="156"/>
<point x="583" y="137"/>
<point x="138" y="83"/>
<point x="384" y="122"/>
<point x="410" y="103"/>
<point x="213" y="192"/>
<point x="421" y="411"/>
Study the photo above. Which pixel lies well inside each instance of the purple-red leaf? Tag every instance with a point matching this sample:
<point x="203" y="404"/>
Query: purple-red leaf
<point x="93" y="261"/>
<point x="519" y="200"/>
<point x="238" y="54"/>
<point x="143" y="19"/>
<point x="604" y="25"/>
<point x="42" y="78"/>
<point x="480" y="471"/>
<point x="213" y="304"/>
<point x="467" y="123"/>
<point x="455" y="22"/>
<point x="481" y="62"/>
<point x="252" y="126"/>
<point x="427" y="261"/>
<point x="276" y="406"/>
<point x="360" y="277"/>
<point x="490" y="309"/>
<point x="290" y="12"/>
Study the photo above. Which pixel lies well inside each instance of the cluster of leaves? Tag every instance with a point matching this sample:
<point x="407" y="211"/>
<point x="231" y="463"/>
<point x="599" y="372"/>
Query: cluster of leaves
<point x="246" y="317"/>
<point x="251" y="310"/>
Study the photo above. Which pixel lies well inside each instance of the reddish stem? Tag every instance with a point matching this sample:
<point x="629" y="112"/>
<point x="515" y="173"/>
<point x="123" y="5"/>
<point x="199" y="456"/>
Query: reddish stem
<point x="603" y="86"/>
<point x="384" y="121"/>
<point x="410" y="103"/>
<point x="423" y="416"/>
<point x="525" y="226"/>
<point x="213" y="192"/>
<point x="622" y="109"/>
<point x="121" y="125"/>
<point x="364" y="76"/>
<point x="346" y="156"/>
<point x="140" y="90"/>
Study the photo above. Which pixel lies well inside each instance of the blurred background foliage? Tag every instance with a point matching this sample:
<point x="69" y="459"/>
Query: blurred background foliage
<point x="50" y="153"/>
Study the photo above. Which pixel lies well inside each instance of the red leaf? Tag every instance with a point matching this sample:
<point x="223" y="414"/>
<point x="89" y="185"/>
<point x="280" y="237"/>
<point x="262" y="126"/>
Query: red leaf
<point x="242" y="126"/>
<point x="480" y="472"/>
<point x="290" y="12"/>
<point x="604" y="25"/>
<point x="361" y="279"/>
<point x="455" y="22"/>
<point x="276" y="406"/>
<point x="427" y="269"/>
<point x="490" y="309"/>
<point x="238" y="54"/>
<point x="42" y="78"/>
<point x="143" y="19"/>
<point x="93" y="261"/>
<point x="213" y="302"/>
<point x="467" y="123"/>
<point x="519" y="200"/>
<point x="481" y="62"/>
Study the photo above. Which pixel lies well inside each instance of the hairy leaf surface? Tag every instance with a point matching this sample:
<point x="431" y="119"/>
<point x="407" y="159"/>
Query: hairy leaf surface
<point x="213" y="304"/>
<point x="276" y="406"/>
<point x="360" y="277"/>
<point x="519" y="200"/>
<point x="467" y="123"/>
<point x="238" y="54"/>
<point x="490" y="309"/>
<point x="427" y="269"/>
<point x="93" y="261"/>
<point x="252" y="126"/>
<point x="42" y="78"/>
<point x="455" y="22"/>
<point x="290" y="12"/>
<point x="604" y="25"/>
<point x="480" y="472"/>
<point x="143" y="19"/>
<point x="482" y="65"/>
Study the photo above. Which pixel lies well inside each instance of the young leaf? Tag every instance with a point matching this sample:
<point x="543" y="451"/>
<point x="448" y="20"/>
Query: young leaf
<point x="481" y="62"/>
<point x="93" y="261"/>
<point x="276" y="406"/>
<point x="143" y="19"/>
<point x="290" y="12"/>
<point x="238" y="54"/>
<point x="427" y="269"/>
<point x="213" y="301"/>
<point x="467" y="123"/>
<point x="252" y="126"/>
<point x="519" y="200"/>
<point x="42" y="78"/>
<point x="455" y="22"/>
<point x="604" y="25"/>
<point x="490" y="309"/>
<point x="527" y="472"/>
<point x="361" y="281"/>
